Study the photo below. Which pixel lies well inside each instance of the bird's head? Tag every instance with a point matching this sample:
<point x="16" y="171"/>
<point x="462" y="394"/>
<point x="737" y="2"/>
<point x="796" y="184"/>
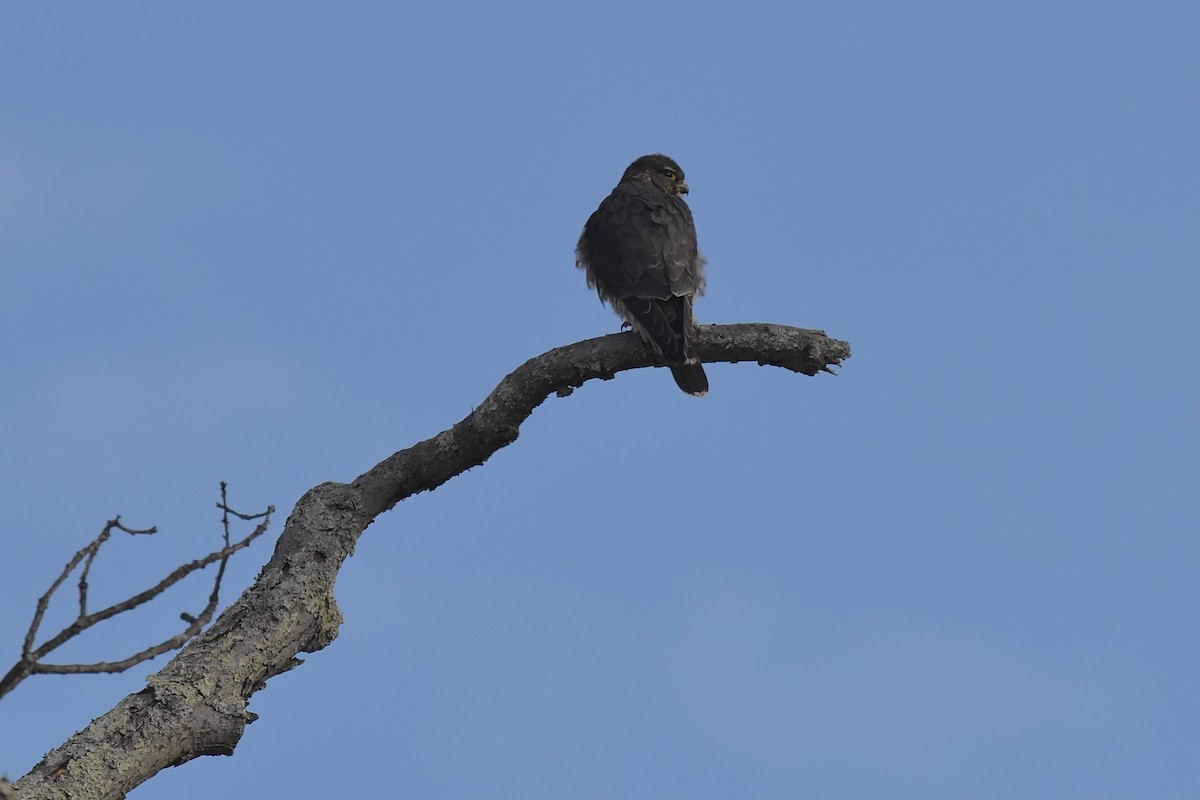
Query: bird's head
<point x="659" y="170"/>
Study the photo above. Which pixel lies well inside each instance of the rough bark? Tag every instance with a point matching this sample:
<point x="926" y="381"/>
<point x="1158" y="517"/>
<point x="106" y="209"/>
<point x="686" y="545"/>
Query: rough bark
<point x="197" y="704"/>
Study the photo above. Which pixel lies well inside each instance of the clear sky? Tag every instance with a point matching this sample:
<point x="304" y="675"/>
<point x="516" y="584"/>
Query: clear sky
<point x="272" y="243"/>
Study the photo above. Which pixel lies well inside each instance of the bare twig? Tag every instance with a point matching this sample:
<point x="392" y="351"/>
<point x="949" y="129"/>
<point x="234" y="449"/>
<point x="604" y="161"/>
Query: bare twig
<point x="31" y="657"/>
<point x="86" y="554"/>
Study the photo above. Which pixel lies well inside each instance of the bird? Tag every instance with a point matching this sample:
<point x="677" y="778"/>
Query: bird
<point x="638" y="251"/>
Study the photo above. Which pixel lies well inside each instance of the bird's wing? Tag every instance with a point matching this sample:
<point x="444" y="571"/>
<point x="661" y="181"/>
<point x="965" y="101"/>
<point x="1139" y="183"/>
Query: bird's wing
<point x="642" y="243"/>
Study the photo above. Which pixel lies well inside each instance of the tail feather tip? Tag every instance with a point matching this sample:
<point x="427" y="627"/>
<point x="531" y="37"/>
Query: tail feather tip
<point x="691" y="379"/>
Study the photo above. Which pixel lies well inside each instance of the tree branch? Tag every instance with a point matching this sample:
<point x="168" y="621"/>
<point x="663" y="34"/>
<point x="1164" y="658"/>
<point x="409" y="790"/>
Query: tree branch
<point x="197" y="704"/>
<point x="496" y="422"/>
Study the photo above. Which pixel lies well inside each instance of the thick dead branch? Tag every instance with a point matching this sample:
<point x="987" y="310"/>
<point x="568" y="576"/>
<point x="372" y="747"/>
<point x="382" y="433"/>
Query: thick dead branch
<point x="197" y="704"/>
<point x="31" y="657"/>
<point x="496" y="422"/>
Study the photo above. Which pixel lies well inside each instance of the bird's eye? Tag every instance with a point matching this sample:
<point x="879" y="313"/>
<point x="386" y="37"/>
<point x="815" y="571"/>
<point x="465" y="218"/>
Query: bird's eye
<point x="670" y="173"/>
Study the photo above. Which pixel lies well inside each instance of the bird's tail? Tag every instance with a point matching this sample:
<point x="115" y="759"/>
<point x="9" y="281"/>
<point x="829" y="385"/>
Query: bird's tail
<point x="666" y="325"/>
<point x="690" y="378"/>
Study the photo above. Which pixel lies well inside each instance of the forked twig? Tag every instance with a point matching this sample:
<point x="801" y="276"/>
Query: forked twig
<point x="31" y="656"/>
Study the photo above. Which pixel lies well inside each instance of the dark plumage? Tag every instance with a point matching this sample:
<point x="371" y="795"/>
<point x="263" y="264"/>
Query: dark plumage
<point x="638" y="250"/>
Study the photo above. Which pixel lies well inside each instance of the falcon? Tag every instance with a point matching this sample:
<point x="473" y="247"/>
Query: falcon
<point x="638" y="251"/>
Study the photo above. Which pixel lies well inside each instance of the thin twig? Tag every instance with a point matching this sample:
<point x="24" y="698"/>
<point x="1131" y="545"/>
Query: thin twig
<point x="31" y="657"/>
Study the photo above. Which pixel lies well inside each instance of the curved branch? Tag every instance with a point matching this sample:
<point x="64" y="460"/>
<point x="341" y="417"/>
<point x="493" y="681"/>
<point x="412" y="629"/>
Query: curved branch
<point x="197" y="704"/>
<point x="496" y="422"/>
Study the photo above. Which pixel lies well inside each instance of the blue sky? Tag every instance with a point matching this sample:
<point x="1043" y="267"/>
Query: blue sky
<point x="272" y="244"/>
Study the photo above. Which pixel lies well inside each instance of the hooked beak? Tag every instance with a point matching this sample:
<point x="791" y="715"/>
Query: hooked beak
<point x="683" y="189"/>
